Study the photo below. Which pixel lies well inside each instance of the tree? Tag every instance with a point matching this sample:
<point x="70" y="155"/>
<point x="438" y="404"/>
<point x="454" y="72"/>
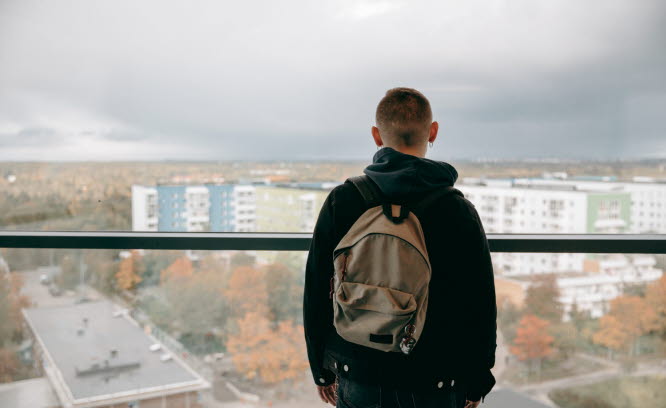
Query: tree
<point x="610" y="334"/>
<point x="195" y="308"/>
<point x="532" y="342"/>
<point x="241" y="259"/>
<point x="630" y="315"/>
<point x="655" y="296"/>
<point x="285" y="295"/>
<point x="181" y="267"/>
<point x="565" y="337"/>
<point x="9" y="365"/>
<point x="11" y="303"/>
<point x="247" y="292"/>
<point x="578" y="317"/>
<point x="129" y="270"/>
<point x="542" y="298"/>
<point x="155" y="262"/>
<point x="270" y="354"/>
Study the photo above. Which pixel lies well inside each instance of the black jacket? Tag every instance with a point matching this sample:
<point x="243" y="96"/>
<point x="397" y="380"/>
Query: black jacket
<point x="459" y="337"/>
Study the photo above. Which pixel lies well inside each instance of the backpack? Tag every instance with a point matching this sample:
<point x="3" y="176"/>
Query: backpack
<point x="382" y="273"/>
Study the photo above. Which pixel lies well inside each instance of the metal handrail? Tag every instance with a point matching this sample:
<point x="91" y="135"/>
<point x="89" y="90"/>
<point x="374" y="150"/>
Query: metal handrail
<point x="271" y="241"/>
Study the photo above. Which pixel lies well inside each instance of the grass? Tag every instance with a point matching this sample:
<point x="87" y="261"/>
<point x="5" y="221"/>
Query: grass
<point x="627" y="392"/>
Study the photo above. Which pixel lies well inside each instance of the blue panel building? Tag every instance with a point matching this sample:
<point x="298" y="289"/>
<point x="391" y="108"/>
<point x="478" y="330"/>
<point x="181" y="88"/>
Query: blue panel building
<point x="221" y="207"/>
<point x="171" y="202"/>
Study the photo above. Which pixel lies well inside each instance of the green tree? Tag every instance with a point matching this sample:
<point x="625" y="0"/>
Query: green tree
<point x="196" y="308"/>
<point x="285" y="294"/>
<point x="565" y="337"/>
<point x="542" y="298"/>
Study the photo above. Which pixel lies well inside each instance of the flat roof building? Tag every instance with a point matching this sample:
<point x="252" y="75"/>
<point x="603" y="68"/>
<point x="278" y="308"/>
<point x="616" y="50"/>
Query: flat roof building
<point x="94" y="355"/>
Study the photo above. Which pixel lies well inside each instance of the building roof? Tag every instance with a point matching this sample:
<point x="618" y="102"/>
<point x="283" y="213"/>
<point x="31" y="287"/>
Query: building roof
<point x="33" y="393"/>
<point x="95" y="352"/>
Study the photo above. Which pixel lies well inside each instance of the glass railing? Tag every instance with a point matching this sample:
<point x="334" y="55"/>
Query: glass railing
<point x="204" y="319"/>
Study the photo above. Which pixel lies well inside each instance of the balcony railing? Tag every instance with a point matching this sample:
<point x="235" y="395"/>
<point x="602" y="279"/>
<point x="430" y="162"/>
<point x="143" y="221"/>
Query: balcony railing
<point x="563" y="243"/>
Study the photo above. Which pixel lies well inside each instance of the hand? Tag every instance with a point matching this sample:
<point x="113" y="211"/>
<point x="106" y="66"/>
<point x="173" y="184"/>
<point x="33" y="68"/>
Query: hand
<point x="472" y="404"/>
<point x="328" y="393"/>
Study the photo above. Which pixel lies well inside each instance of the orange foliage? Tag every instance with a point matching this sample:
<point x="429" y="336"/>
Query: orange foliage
<point x="611" y="334"/>
<point x="127" y="277"/>
<point x="656" y="298"/>
<point x="9" y="365"/>
<point x="247" y="292"/>
<point x="180" y="268"/>
<point x="532" y="339"/>
<point x="272" y="355"/>
<point x="629" y="318"/>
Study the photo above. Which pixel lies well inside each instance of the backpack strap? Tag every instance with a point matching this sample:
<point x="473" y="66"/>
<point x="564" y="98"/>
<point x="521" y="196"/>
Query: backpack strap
<point x="431" y="198"/>
<point x="368" y="189"/>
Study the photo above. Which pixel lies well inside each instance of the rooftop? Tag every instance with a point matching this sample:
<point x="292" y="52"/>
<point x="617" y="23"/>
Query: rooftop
<point x="33" y="393"/>
<point x="104" y="365"/>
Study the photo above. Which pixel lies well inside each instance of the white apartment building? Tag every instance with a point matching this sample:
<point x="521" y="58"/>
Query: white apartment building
<point x="144" y="208"/>
<point x="245" y="208"/>
<point x="593" y="292"/>
<point x="648" y="198"/>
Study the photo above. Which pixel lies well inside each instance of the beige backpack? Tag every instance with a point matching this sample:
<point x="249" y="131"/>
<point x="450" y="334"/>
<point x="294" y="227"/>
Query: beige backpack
<point x="382" y="273"/>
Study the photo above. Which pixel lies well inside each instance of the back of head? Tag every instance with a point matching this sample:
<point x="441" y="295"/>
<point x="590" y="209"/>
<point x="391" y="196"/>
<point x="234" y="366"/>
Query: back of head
<point x="404" y="117"/>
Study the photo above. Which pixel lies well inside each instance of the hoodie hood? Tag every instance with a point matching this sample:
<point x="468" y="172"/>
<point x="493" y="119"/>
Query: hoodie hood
<point x="398" y="174"/>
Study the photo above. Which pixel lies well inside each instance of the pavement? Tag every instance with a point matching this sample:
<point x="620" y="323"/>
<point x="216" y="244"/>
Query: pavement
<point x="39" y="294"/>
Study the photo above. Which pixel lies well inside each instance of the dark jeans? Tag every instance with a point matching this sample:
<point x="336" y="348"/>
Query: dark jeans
<point x="352" y="394"/>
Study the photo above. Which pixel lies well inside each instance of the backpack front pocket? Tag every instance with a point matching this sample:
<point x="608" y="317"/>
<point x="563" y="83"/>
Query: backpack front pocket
<point x="373" y="316"/>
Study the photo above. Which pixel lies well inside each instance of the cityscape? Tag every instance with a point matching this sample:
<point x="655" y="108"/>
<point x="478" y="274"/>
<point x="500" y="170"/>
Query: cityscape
<point x="224" y="328"/>
<point x="170" y="125"/>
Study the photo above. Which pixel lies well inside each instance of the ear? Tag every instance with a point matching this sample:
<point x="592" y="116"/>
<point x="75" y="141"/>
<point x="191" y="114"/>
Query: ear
<point x="377" y="136"/>
<point x="434" y="128"/>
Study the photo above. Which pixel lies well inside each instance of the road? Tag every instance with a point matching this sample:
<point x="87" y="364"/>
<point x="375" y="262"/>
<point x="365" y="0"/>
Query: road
<point x="39" y="294"/>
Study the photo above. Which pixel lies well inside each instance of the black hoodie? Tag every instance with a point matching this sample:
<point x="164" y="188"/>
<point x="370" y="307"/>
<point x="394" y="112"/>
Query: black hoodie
<point x="457" y="345"/>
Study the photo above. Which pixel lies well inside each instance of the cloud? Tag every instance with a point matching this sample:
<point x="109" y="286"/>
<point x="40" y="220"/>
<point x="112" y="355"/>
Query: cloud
<point x="300" y="79"/>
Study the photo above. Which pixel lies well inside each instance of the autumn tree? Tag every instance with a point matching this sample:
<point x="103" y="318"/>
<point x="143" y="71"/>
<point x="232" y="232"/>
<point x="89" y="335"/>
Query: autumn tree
<point x="611" y="334"/>
<point x="10" y="366"/>
<point x="262" y="352"/>
<point x="542" y="298"/>
<point x="532" y="342"/>
<point x="180" y="268"/>
<point x="247" y="291"/>
<point x="129" y="271"/>
<point x="629" y="318"/>
<point x="11" y="303"/>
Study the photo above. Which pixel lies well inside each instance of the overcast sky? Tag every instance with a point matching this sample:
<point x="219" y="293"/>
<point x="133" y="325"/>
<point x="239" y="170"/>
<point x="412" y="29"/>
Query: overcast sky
<point x="300" y="79"/>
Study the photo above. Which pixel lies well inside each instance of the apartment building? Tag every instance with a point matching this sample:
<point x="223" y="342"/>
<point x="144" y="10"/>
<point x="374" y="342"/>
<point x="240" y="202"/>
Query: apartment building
<point x="116" y="363"/>
<point x="593" y="291"/>
<point x="193" y="208"/>
<point x="290" y="207"/>
<point x="648" y="197"/>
